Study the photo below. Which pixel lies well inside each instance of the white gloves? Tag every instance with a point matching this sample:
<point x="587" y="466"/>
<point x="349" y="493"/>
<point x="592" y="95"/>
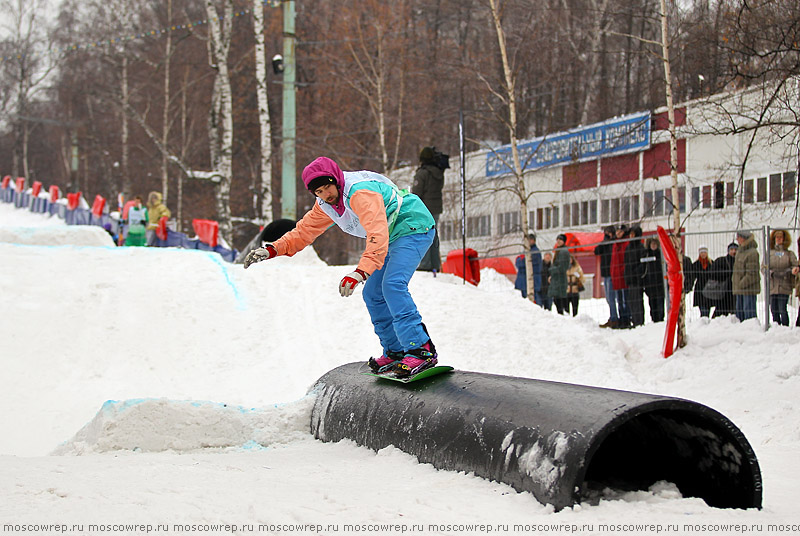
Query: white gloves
<point x="260" y="254"/>
<point x="351" y="281"/>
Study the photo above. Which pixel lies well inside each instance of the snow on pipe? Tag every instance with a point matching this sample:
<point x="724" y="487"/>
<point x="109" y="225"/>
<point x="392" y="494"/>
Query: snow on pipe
<point x="561" y="442"/>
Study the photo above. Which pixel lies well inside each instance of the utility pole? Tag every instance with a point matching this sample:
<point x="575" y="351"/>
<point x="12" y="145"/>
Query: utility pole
<point x="289" y="130"/>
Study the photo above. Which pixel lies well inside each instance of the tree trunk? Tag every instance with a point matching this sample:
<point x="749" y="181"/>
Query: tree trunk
<point x="510" y="88"/>
<point x="222" y="110"/>
<point x="165" y="113"/>
<point x="262" y="195"/>
<point x="127" y="187"/>
<point x="673" y="159"/>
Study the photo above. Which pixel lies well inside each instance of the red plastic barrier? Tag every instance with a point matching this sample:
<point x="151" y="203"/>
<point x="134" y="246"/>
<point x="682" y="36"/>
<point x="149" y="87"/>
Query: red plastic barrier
<point x="20" y="184"/>
<point x="98" y="205"/>
<point x="73" y="200"/>
<point x="54" y="193"/>
<point x="6" y="181"/>
<point x="161" y="231"/>
<point x="675" y="278"/>
<point x="207" y="231"/>
<point x="455" y="265"/>
<point x="574" y="241"/>
<point x="37" y="188"/>
<point x="501" y="265"/>
<point x="126" y="208"/>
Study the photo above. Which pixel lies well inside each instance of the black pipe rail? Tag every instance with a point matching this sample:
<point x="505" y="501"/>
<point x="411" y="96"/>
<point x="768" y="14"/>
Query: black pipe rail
<point x="561" y="442"/>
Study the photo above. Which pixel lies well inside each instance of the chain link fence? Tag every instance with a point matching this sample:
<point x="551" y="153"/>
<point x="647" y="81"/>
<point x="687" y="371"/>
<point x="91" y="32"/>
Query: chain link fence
<point x="592" y="300"/>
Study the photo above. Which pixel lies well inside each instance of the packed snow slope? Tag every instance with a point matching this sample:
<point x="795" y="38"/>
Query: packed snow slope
<point x="165" y="386"/>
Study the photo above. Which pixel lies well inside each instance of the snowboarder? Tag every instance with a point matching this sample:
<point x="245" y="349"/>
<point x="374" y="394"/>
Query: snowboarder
<point x="398" y="229"/>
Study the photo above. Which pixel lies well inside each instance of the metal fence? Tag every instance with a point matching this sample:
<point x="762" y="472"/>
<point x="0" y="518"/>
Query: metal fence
<point x="593" y="303"/>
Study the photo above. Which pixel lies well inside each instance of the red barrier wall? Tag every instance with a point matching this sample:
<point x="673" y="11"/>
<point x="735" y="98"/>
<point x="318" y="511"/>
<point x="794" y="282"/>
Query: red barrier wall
<point x="207" y="231"/>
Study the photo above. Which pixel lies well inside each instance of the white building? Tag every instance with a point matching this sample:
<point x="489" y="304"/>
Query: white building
<point x="730" y="176"/>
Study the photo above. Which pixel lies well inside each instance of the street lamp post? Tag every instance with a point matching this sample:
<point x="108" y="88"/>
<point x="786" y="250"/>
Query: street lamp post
<point x="289" y="130"/>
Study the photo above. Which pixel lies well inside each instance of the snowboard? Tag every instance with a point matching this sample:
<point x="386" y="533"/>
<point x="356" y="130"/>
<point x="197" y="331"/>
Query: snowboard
<point x="427" y="373"/>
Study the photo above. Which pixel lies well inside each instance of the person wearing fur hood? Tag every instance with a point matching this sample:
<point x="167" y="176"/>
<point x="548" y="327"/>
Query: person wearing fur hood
<point x="783" y="269"/>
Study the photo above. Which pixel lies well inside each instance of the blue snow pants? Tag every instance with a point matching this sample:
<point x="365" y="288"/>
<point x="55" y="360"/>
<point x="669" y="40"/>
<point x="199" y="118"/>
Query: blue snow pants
<point x="394" y="314"/>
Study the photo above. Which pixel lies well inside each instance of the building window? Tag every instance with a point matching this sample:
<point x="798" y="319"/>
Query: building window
<point x="567" y="216"/>
<point x="682" y="199"/>
<point x="615" y="209"/>
<point x="625" y="209"/>
<point x="658" y="203"/>
<point x="719" y="194"/>
<point x="775" y="188"/>
<point x="479" y="226"/>
<point x="635" y="207"/>
<point x="730" y="194"/>
<point x="539" y="219"/>
<point x="789" y="185"/>
<point x="749" y="192"/>
<point x="695" y="197"/>
<point x="604" y="211"/>
<point x="509" y="222"/>
<point x="668" y="206"/>
<point x="554" y="219"/>
<point x="547" y="217"/>
<point x="706" y="196"/>
<point x="648" y="204"/>
<point x="576" y="214"/>
<point x="761" y="189"/>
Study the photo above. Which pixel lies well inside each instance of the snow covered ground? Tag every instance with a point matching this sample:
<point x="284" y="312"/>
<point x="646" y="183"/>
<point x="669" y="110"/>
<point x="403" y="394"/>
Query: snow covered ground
<point x="163" y="391"/>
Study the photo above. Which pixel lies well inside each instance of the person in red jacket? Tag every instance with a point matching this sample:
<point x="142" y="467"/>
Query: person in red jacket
<point x="618" y="279"/>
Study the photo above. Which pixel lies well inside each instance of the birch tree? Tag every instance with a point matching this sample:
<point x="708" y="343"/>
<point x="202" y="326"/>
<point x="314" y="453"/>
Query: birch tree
<point x="680" y="339"/>
<point x="220" y="117"/>
<point x="262" y="195"/>
<point x="508" y="96"/>
<point x="165" y="122"/>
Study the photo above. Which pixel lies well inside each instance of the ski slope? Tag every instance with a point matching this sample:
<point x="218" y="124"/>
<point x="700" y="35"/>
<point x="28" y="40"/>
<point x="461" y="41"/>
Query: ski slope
<point x="144" y="387"/>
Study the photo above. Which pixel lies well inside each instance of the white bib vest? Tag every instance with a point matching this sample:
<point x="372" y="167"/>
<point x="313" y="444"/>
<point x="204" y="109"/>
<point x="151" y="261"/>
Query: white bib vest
<point x="348" y="221"/>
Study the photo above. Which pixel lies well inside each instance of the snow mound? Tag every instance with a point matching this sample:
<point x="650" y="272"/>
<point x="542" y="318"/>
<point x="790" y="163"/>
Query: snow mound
<point x="16" y="217"/>
<point x="158" y="425"/>
<point x="67" y="235"/>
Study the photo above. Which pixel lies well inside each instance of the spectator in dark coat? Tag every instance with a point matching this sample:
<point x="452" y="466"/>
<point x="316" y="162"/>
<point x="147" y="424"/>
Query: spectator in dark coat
<point x="654" y="279"/>
<point x="521" y="282"/>
<point x="722" y="270"/>
<point x="634" y="275"/>
<point x="701" y="273"/>
<point x="547" y="300"/>
<point x="428" y="184"/>
<point x="558" y="274"/>
<point x="604" y="250"/>
<point x="617" y="269"/>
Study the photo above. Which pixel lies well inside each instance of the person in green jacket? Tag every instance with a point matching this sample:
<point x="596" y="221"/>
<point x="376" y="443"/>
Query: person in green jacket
<point x="746" y="278"/>
<point x="558" y="275"/>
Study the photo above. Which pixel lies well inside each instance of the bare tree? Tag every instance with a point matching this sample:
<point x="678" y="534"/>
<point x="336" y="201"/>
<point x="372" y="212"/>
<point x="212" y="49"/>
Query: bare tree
<point x="29" y="60"/>
<point x="680" y="339"/>
<point x="508" y="95"/>
<point x="220" y="123"/>
<point x="262" y="196"/>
